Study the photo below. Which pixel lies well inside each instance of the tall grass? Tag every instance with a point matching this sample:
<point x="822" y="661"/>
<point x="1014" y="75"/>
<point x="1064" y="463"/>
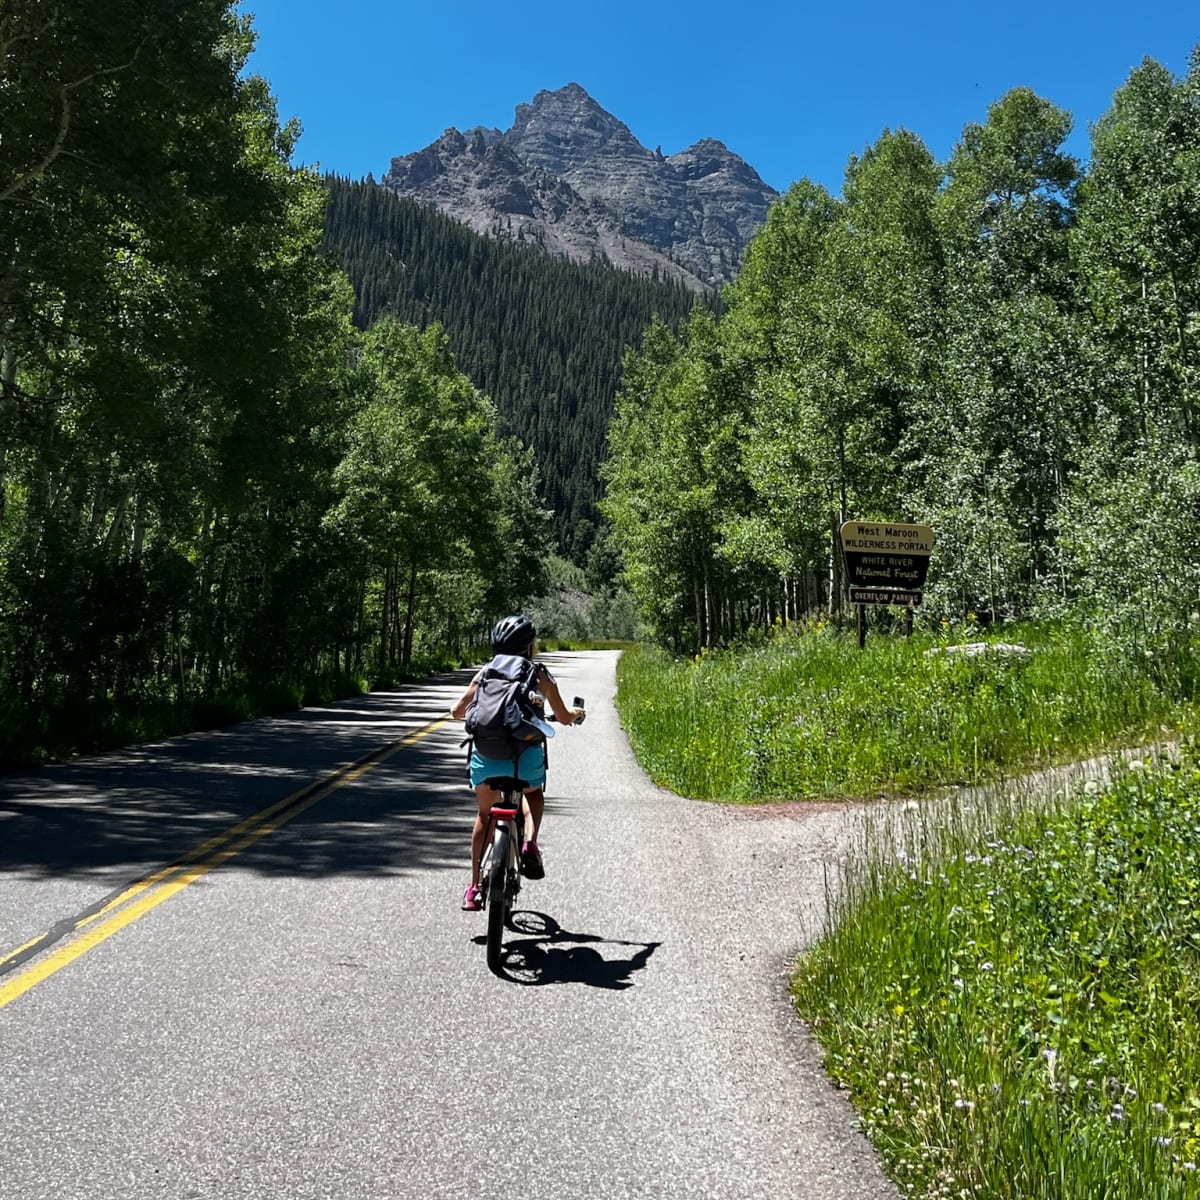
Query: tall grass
<point x="1013" y="1001"/>
<point x="813" y="716"/>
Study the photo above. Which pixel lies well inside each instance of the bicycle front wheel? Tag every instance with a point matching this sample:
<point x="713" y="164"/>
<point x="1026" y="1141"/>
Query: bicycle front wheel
<point x="498" y="898"/>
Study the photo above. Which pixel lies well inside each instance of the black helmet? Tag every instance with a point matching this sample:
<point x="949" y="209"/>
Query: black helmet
<point x="512" y="635"/>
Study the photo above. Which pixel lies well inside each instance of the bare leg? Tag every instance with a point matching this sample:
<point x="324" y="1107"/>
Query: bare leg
<point x="535" y="802"/>
<point x="487" y="797"/>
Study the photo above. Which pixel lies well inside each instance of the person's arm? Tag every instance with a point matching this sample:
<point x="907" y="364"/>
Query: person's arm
<point x="459" y="709"/>
<point x="549" y="689"/>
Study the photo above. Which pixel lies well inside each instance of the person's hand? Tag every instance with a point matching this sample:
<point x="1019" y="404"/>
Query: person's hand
<point x="580" y="714"/>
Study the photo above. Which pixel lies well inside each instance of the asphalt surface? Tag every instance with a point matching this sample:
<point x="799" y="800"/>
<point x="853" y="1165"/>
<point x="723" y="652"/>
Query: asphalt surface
<point x="303" y="1010"/>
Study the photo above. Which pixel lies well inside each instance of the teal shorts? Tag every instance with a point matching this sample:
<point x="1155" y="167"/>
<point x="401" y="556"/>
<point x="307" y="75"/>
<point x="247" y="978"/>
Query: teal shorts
<point x="531" y="767"/>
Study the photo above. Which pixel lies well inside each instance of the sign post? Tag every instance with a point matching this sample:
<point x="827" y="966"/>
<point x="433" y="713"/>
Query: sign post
<point x="886" y="563"/>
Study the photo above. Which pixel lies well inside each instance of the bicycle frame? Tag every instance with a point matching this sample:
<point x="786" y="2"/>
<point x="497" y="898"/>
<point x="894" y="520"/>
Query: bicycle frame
<point x="499" y="866"/>
<point x="508" y="812"/>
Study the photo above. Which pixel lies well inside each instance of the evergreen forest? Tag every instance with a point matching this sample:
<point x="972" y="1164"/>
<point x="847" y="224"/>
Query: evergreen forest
<point x="1004" y="346"/>
<point x="543" y="337"/>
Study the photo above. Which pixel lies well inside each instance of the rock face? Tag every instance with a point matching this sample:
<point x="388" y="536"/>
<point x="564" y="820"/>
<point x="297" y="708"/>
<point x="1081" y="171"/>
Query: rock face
<point x="571" y="177"/>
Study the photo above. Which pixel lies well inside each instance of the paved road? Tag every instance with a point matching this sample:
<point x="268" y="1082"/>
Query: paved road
<point x="303" y="1011"/>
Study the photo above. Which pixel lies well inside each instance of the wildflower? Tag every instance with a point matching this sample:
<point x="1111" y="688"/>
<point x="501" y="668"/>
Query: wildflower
<point x="969" y="1105"/>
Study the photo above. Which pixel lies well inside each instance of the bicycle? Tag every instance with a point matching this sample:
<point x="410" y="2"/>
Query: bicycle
<point x="500" y="866"/>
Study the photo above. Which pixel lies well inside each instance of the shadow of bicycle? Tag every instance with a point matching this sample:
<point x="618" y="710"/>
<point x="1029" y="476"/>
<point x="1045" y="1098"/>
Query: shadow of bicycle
<point x="547" y="953"/>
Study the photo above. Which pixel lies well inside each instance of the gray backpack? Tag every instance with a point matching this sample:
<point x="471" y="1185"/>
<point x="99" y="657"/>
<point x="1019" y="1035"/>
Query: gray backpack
<point x="498" y="718"/>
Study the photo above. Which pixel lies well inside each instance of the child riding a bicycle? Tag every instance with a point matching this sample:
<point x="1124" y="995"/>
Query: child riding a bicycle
<point x="513" y="635"/>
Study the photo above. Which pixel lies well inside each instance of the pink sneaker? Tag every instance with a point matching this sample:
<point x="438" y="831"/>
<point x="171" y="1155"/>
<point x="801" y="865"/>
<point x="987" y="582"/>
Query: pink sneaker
<point x="472" y="901"/>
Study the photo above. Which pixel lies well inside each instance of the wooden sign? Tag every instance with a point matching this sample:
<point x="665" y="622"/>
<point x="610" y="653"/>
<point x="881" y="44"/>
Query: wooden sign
<point x="886" y="556"/>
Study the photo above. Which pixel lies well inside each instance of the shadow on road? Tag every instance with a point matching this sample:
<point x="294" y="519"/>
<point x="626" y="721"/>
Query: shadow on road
<point x="550" y="954"/>
<point x="136" y="810"/>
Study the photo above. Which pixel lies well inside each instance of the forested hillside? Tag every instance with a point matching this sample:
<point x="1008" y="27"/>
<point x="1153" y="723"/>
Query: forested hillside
<point x="215" y="495"/>
<point x="1001" y="346"/>
<point x="543" y="337"/>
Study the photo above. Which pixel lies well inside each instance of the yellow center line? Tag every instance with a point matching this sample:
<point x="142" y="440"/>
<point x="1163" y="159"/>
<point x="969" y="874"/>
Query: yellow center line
<point x="20" y="948"/>
<point x="166" y="872"/>
<point x="219" y="849"/>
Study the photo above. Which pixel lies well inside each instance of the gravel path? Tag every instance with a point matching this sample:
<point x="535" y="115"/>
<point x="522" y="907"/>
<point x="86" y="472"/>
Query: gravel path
<point x="314" y="1017"/>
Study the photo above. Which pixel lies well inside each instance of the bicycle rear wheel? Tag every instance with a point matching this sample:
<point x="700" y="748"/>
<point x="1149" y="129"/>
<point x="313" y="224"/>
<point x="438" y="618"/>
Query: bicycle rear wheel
<point x="498" y="898"/>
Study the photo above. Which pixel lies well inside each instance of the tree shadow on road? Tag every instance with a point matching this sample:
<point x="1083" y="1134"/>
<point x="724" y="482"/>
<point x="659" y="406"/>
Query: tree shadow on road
<point x="118" y="815"/>
<point x="550" y="954"/>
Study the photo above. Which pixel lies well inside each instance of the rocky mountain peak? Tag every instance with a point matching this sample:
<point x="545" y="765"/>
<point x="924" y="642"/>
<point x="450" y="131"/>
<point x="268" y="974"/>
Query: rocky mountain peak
<point x="483" y="137"/>
<point x="578" y="182"/>
<point x="562" y="130"/>
<point x="709" y="157"/>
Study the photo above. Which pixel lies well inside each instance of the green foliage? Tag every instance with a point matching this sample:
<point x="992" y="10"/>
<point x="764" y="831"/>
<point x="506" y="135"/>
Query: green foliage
<point x="581" y="611"/>
<point x="428" y="498"/>
<point x="216" y="498"/>
<point x="1013" y="1006"/>
<point x="999" y="346"/>
<point x="812" y="716"/>
<point x="542" y="336"/>
<point x="1129" y="538"/>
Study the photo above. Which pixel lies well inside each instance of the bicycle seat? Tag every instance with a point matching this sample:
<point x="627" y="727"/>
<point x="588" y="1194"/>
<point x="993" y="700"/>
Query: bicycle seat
<point x="506" y="783"/>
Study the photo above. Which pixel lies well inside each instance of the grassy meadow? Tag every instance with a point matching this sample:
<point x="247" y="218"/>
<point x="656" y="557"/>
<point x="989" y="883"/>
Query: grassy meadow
<point x="812" y="716"/>
<point x="1009" y="985"/>
<point x="1013" y="999"/>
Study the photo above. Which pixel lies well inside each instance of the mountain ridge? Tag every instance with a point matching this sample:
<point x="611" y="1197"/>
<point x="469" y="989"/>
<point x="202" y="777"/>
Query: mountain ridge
<point x="573" y="178"/>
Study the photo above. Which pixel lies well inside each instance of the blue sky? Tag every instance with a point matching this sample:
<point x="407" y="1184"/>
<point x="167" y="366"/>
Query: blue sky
<point x="794" y="88"/>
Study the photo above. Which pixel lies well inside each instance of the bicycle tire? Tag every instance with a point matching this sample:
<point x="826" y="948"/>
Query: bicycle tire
<point x="498" y="898"/>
